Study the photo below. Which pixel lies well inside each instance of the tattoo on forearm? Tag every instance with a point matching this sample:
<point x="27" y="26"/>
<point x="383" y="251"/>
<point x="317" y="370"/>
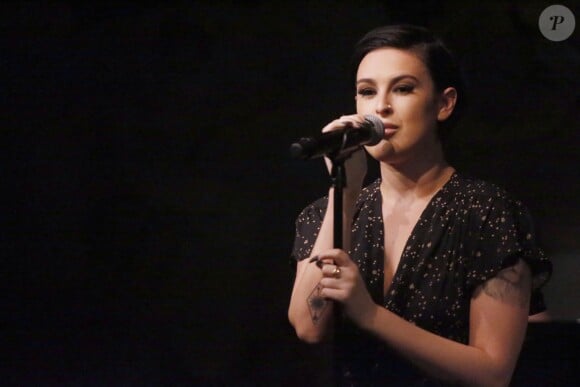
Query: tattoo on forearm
<point x="510" y="285"/>
<point x="317" y="304"/>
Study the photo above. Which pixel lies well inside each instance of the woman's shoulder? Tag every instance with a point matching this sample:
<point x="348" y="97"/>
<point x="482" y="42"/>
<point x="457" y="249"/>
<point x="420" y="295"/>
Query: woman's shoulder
<point x="314" y="209"/>
<point x="477" y="198"/>
<point x="474" y="188"/>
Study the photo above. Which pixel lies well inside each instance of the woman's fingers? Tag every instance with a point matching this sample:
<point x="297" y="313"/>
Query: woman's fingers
<point x="339" y="257"/>
<point x="331" y="271"/>
<point x="341" y="281"/>
<point x="353" y="120"/>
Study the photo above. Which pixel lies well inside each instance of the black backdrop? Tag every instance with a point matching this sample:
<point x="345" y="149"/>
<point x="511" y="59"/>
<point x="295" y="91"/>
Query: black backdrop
<point x="149" y="196"/>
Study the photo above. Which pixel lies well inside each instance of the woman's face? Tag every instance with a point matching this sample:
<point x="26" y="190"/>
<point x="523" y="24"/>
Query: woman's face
<point x="396" y="86"/>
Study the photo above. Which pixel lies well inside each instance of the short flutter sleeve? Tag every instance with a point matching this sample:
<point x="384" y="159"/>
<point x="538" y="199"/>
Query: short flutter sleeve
<point x="308" y="225"/>
<point x="506" y="235"/>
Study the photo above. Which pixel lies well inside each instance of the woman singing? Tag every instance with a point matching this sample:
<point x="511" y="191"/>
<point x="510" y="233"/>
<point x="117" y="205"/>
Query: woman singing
<point x="439" y="271"/>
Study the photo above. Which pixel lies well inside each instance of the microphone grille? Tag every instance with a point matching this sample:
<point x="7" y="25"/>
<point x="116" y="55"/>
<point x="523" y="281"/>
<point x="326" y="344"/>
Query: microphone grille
<point x="378" y="129"/>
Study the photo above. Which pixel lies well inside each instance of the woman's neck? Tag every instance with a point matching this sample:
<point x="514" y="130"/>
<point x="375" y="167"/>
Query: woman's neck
<point x="417" y="180"/>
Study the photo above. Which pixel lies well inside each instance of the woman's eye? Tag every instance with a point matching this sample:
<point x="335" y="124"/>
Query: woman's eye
<point x="404" y="89"/>
<point x="366" y="92"/>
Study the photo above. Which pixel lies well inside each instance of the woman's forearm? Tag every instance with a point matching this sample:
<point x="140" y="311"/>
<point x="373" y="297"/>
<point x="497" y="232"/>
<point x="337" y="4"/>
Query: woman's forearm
<point x="311" y="315"/>
<point x="440" y="358"/>
<point x="498" y="321"/>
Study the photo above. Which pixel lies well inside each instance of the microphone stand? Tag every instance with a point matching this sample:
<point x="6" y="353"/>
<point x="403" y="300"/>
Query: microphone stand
<point x="338" y="180"/>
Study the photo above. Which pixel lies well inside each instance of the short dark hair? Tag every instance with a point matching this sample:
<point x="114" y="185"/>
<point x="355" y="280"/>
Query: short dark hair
<point x="442" y="65"/>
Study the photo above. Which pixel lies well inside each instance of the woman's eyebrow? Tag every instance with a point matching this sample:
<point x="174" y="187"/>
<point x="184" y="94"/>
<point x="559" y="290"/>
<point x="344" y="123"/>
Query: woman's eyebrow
<point x="394" y="80"/>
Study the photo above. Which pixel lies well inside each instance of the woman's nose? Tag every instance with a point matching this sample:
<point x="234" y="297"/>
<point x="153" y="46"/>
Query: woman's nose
<point x="383" y="106"/>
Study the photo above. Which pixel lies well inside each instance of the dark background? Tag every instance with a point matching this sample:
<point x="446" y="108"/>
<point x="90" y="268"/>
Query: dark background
<point x="149" y="197"/>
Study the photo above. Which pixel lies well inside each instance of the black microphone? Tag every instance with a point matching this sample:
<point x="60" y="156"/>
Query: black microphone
<point x="338" y="142"/>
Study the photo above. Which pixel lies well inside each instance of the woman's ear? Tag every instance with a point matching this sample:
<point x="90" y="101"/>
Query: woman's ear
<point x="447" y="101"/>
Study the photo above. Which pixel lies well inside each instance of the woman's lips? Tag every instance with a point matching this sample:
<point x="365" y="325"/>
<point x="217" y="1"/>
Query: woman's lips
<point x="390" y="130"/>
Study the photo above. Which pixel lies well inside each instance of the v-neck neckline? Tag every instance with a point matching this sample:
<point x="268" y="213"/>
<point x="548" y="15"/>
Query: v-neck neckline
<point x="403" y="258"/>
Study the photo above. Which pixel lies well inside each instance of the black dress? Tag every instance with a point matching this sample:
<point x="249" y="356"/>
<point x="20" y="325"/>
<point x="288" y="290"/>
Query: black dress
<point x="468" y="232"/>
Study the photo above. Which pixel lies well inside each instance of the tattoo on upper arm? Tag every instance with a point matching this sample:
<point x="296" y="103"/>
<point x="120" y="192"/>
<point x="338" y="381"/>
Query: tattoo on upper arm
<point x="511" y="285"/>
<point x="317" y="304"/>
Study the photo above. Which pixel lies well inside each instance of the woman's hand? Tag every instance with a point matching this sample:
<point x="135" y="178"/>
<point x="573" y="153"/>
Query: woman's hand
<point x="356" y="164"/>
<point x="342" y="282"/>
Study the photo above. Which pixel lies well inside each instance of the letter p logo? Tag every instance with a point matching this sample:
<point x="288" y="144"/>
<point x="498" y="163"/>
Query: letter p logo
<point x="557" y="23"/>
<point x="557" y="20"/>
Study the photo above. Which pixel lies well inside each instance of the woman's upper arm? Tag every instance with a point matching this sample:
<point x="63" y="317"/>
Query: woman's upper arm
<point x="499" y="316"/>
